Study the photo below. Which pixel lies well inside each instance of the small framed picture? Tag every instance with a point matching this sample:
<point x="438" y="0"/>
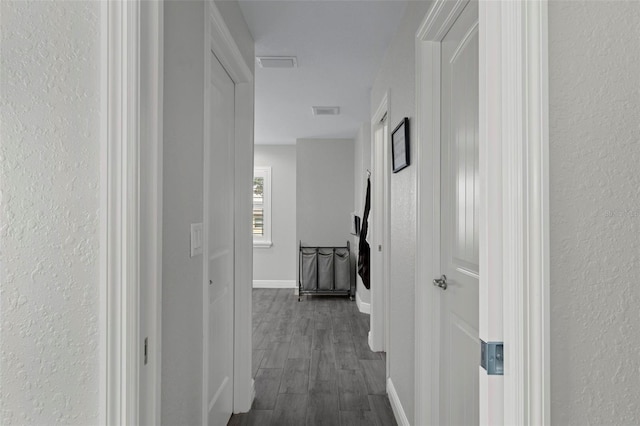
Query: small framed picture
<point x="400" y="146"/>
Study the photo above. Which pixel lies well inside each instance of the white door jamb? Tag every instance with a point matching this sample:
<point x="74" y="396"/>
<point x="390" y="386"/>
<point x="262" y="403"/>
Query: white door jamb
<point x="131" y="255"/>
<point x="151" y="158"/>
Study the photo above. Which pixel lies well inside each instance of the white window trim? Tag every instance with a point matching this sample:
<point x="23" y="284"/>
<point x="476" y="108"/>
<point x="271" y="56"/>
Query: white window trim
<point x="265" y="240"/>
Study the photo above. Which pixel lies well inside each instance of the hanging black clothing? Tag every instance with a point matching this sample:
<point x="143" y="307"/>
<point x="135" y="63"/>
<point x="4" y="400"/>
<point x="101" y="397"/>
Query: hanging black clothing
<point x="363" y="246"/>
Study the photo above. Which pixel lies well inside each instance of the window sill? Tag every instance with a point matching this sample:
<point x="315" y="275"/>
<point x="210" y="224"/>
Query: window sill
<point x="262" y="244"/>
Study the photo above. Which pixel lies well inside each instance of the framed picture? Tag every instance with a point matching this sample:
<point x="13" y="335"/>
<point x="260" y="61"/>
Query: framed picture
<point x="400" y="146"/>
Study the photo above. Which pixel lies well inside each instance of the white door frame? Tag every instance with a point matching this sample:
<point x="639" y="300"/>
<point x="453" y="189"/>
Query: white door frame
<point x="520" y="124"/>
<point x="218" y="40"/>
<point x="131" y="256"/>
<point x="379" y="330"/>
<point x="151" y="85"/>
<point x="120" y="210"/>
<point x="514" y="232"/>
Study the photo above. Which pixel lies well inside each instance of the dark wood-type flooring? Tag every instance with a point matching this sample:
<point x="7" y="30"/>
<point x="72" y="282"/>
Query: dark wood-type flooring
<point x="312" y="364"/>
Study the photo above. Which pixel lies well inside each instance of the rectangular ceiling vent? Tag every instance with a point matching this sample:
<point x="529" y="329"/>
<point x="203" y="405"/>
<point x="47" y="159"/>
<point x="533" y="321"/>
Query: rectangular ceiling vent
<point x="277" y="61"/>
<point x="325" y="110"/>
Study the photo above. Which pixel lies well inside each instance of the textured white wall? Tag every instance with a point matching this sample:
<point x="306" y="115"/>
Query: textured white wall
<point x="397" y="74"/>
<point x="362" y="148"/>
<point x="183" y="204"/>
<point x="279" y="261"/>
<point x="49" y="212"/>
<point x="594" y="73"/>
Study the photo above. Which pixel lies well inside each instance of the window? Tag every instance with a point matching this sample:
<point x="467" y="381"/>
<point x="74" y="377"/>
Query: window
<point x="261" y="221"/>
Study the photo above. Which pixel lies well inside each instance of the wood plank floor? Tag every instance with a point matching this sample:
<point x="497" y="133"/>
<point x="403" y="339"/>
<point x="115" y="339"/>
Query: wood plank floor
<point x="312" y="364"/>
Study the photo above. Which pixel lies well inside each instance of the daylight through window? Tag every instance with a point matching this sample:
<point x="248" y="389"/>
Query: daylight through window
<point x="261" y="220"/>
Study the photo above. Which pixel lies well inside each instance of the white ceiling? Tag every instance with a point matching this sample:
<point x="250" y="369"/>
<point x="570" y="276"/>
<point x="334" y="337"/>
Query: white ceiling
<point x="339" y="45"/>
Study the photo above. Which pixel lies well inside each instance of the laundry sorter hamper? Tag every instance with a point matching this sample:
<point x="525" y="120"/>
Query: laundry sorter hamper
<point x="325" y="271"/>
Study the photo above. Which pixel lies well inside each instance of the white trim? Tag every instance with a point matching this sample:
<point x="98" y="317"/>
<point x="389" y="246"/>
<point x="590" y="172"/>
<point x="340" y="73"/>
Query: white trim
<point x="379" y="302"/>
<point x="396" y="405"/>
<point x="274" y="284"/>
<point x="363" y="307"/>
<point x="435" y="26"/>
<point x="120" y="202"/>
<point x="523" y="122"/>
<point x="105" y="407"/>
<point x="218" y="40"/>
<point x="151" y="128"/>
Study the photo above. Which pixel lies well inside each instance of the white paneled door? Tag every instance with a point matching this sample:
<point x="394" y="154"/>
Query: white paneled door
<point x="219" y="248"/>
<point x="459" y="345"/>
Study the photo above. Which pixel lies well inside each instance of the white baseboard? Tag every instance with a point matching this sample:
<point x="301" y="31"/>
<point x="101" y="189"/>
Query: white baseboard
<point x="253" y="391"/>
<point x="274" y="284"/>
<point x="396" y="406"/>
<point x="363" y="307"/>
<point x="370" y="341"/>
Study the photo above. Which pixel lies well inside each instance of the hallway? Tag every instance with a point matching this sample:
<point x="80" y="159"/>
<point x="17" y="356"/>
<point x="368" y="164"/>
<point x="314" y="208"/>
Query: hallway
<point x="312" y="364"/>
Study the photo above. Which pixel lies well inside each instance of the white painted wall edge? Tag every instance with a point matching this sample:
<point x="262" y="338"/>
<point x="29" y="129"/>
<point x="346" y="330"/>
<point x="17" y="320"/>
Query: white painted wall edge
<point x="396" y="405"/>
<point x="363" y="307"/>
<point x="274" y="284"/>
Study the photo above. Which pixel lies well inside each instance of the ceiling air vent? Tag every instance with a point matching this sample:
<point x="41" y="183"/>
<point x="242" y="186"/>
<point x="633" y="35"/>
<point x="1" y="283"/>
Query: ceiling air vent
<point x="277" y="61"/>
<point x="325" y="110"/>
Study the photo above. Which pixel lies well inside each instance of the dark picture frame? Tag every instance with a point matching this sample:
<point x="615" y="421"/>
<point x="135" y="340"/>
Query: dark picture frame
<point x="400" y="146"/>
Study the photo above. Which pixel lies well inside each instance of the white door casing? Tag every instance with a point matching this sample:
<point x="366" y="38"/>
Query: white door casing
<point x="379" y="230"/>
<point x="459" y="239"/>
<point x="517" y="128"/>
<point x="218" y="285"/>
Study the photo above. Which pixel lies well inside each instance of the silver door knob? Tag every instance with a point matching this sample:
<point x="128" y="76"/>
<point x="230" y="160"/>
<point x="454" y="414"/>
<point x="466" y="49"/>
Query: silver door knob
<point x="441" y="282"/>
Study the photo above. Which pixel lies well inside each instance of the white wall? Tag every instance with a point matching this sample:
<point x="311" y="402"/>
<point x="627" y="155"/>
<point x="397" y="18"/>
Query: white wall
<point x="594" y="72"/>
<point x="362" y="163"/>
<point x="182" y="198"/>
<point x="278" y="262"/>
<point x="397" y="74"/>
<point x="324" y="194"/>
<point x="49" y="213"/>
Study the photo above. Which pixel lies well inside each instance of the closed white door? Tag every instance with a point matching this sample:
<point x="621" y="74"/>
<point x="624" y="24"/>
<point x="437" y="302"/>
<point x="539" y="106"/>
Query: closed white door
<point x="459" y="345"/>
<point x="378" y="231"/>
<point x="219" y="249"/>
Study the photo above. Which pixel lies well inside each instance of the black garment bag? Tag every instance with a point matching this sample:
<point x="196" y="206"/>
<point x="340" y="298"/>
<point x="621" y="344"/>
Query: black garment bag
<point x="363" y="245"/>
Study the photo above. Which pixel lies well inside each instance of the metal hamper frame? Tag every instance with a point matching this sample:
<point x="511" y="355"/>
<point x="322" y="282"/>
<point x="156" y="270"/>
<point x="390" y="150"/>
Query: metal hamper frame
<point x="324" y="292"/>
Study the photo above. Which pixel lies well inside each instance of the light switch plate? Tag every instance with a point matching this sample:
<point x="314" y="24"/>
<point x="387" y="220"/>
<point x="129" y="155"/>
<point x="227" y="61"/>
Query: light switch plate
<point x="196" y="239"/>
